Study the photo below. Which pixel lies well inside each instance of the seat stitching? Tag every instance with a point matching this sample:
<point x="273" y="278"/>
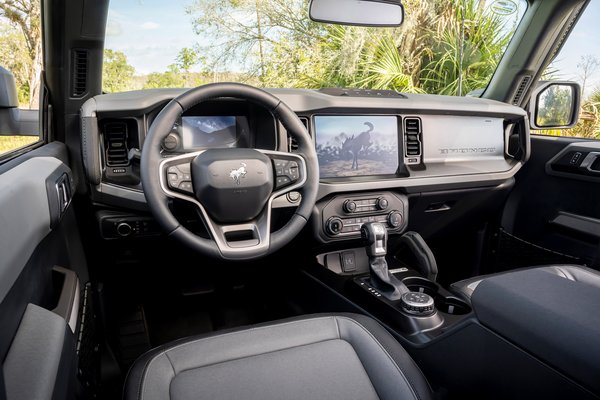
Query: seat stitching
<point x="337" y="327"/>
<point x="402" y="373"/>
<point x="241" y="332"/>
<point x="146" y="368"/>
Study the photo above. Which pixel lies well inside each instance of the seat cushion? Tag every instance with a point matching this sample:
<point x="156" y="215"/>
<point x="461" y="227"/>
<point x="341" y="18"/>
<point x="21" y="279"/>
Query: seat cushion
<point x="343" y="356"/>
<point x="576" y="273"/>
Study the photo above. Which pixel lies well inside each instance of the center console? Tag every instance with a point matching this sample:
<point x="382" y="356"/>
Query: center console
<point x="400" y="291"/>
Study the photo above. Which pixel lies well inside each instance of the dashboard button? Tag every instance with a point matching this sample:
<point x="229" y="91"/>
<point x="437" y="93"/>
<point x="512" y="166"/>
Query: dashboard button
<point x="350" y="206"/>
<point x="395" y="219"/>
<point x="186" y="186"/>
<point x="382" y="203"/>
<point x="281" y="181"/>
<point x="334" y="225"/>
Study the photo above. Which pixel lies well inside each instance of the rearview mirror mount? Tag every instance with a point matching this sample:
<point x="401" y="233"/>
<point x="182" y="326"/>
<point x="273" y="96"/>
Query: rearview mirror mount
<point x="357" y="12"/>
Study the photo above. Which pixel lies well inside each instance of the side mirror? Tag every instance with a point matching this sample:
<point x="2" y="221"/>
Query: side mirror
<point x="555" y="105"/>
<point x="357" y="12"/>
<point x="8" y="90"/>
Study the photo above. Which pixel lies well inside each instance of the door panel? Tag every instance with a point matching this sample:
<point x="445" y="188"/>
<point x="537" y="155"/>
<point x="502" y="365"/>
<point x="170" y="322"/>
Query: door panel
<point x="557" y="208"/>
<point x="41" y="273"/>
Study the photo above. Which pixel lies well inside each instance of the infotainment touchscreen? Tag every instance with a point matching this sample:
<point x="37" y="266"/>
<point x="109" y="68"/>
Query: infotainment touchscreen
<point x="352" y="145"/>
<point x="205" y="131"/>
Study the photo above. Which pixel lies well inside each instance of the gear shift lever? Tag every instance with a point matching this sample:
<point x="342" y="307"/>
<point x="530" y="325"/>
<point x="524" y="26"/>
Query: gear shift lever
<point x="374" y="235"/>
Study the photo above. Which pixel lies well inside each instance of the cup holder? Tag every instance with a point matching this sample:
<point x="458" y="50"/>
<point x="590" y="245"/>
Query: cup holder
<point x="422" y="285"/>
<point x="446" y="304"/>
<point x="452" y="305"/>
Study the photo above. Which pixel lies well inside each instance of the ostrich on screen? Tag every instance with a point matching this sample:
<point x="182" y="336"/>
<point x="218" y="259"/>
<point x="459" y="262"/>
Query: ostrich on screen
<point x="354" y="145"/>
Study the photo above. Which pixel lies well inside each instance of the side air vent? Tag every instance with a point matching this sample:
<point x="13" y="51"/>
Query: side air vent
<point x="79" y="71"/>
<point x="292" y="143"/>
<point x="115" y="135"/>
<point x="412" y="140"/>
<point x="523" y="86"/>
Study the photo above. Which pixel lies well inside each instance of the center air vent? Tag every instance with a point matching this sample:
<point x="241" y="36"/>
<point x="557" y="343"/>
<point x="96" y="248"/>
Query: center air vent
<point x="292" y="142"/>
<point x="115" y="135"/>
<point x="412" y="140"/>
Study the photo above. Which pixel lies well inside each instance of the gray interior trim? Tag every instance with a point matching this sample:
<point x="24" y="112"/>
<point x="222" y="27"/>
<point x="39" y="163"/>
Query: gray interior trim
<point x="24" y="216"/>
<point x="32" y="365"/>
<point x="68" y="301"/>
<point x="303" y="100"/>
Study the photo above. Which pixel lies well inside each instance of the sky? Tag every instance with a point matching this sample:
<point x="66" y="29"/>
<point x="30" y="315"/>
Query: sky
<point x="151" y="33"/>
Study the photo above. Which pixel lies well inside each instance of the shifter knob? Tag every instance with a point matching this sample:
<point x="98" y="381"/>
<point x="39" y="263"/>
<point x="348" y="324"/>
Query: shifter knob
<point x="374" y="235"/>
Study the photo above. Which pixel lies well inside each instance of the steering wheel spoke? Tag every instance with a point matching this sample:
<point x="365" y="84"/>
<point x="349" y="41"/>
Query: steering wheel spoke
<point x="289" y="171"/>
<point x="238" y="241"/>
<point x="176" y="176"/>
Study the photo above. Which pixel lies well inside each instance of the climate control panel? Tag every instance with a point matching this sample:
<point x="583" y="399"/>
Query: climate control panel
<point x="343" y="215"/>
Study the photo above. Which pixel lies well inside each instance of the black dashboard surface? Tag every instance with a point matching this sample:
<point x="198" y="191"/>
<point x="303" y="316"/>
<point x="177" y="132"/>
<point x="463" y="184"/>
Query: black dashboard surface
<point x="416" y="142"/>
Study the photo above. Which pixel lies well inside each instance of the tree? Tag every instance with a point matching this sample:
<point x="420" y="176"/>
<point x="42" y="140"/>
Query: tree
<point x="117" y="74"/>
<point x="431" y="52"/>
<point x="15" y="58"/>
<point x="588" y="65"/>
<point x="187" y="58"/>
<point x="172" y="78"/>
<point x="25" y="15"/>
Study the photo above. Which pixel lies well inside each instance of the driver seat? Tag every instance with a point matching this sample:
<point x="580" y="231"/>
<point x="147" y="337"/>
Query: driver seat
<point x="345" y="356"/>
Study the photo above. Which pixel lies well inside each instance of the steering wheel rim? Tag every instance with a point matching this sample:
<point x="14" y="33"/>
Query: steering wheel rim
<point x="158" y="195"/>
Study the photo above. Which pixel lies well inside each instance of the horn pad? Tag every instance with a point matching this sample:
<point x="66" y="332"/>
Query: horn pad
<point x="233" y="185"/>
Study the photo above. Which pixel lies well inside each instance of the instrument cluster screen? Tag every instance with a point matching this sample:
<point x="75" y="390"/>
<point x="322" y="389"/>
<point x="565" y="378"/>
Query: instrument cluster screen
<point x="199" y="132"/>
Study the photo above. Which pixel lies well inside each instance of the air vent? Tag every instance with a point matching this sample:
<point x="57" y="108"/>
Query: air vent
<point x="115" y="135"/>
<point x="412" y="140"/>
<point x="79" y="69"/>
<point x="523" y="86"/>
<point x="292" y="143"/>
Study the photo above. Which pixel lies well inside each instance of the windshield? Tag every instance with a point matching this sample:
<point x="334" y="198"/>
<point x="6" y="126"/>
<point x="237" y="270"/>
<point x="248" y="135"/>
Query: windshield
<point x="447" y="47"/>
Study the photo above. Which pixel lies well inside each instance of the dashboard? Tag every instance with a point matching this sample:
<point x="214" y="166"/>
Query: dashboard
<point x="379" y="152"/>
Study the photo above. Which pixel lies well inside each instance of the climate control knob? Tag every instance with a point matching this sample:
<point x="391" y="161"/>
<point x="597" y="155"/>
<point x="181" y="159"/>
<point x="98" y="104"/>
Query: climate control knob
<point x="350" y="206"/>
<point x="382" y="203"/>
<point x="395" y="219"/>
<point x="334" y="225"/>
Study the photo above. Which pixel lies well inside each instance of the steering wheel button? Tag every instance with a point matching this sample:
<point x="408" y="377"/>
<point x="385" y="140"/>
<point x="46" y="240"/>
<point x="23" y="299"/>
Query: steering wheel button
<point x="172" y="177"/>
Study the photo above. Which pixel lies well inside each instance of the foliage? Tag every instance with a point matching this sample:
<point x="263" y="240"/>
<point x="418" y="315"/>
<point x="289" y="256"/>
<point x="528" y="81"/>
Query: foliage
<point x="275" y="41"/>
<point x="10" y="143"/>
<point x="15" y="58"/>
<point x="117" y="74"/>
<point x="24" y="16"/>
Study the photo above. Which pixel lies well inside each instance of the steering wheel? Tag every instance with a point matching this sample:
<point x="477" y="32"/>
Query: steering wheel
<point x="233" y="188"/>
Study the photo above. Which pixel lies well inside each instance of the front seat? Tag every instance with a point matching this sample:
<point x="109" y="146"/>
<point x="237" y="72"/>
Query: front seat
<point x="344" y="356"/>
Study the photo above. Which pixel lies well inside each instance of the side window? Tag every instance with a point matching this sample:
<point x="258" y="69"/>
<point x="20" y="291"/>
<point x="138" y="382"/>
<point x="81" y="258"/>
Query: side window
<point x="579" y="61"/>
<point x="20" y="69"/>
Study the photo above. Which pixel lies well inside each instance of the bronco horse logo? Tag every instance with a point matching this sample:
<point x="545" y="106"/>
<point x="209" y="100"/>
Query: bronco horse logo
<point x="237" y="174"/>
<point x="354" y="145"/>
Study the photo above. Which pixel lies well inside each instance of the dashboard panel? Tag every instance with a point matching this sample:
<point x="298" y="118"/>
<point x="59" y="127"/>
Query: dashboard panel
<point x="366" y="144"/>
